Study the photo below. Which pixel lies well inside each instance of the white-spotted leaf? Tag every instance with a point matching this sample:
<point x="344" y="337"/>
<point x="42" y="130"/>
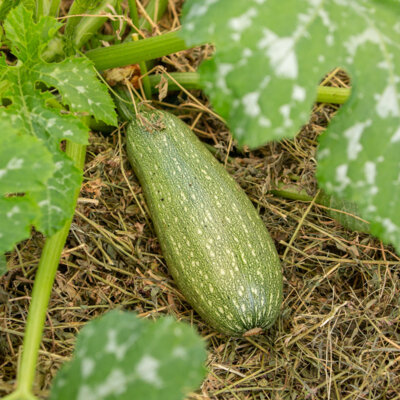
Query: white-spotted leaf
<point x="30" y="114"/>
<point x="17" y="215"/>
<point x="269" y="59"/>
<point x="345" y="212"/>
<point x="33" y="170"/>
<point x="56" y="200"/>
<point x="25" y="166"/>
<point x="25" y="162"/>
<point x="76" y="80"/>
<point x="120" y="356"/>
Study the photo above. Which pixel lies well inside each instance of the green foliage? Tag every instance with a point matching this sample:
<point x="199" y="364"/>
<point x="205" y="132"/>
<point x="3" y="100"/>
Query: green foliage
<point x="90" y="25"/>
<point x="347" y="214"/>
<point x="6" y="6"/>
<point x="78" y="7"/>
<point x="32" y="164"/>
<point x="264" y="75"/>
<point x="25" y="166"/>
<point x="120" y="356"/>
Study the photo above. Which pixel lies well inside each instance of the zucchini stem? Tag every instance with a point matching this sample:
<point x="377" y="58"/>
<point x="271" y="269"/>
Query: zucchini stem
<point x="333" y="95"/>
<point x="291" y="192"/>
<point x="90" y="24"/>
<point x="128" y="53"/>
<point x="133" y="12"/>
<point x="47" y="7"/>
<point x="153" y="8"/>
<point x="191" y="80"/>
<point x="176" y="80"/>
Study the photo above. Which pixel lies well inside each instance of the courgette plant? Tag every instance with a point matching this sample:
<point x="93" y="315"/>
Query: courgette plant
<point x="51" y="89"/>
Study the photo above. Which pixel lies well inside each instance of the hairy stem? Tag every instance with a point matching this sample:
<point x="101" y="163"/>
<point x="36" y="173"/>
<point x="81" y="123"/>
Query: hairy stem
<point x="334" y="95"/>
<point x="77" y="8"/>
<point x="177" y="80"/>
<point x="47" y="7"/>
<point x="291" y="192"/>
<point x="191" y="80"/>
<point x="143" y="67"/>
<point x="90" y="24"/>
<point x="133" y="13"/>
<point x="123" y="54"/>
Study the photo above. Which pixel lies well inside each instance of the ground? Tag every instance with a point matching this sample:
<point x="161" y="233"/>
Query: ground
<point x="338" y="336"/>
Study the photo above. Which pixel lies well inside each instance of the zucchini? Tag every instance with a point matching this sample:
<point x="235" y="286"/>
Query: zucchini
<point x="215" y="244"/>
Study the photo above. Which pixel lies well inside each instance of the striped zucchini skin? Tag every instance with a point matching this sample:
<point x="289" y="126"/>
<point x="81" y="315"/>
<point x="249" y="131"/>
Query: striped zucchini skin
<point x="214" y="242"/>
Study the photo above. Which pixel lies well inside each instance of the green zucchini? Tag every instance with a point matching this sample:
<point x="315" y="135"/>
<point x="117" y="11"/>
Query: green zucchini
<point x="215" y="244"/>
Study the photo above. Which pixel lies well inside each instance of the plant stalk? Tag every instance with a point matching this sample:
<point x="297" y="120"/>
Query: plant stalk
<point x="123" y="54"/>
<point x="77" y="8"/>
<point x="191" y="80"/>
<point x="291" y="192"/>
<point x="188" y="80"/>
<point x="133" y="13"/>
<point x="143" y="67"/>
<point x="89" y="25"/>
<point x="334" y="95"/>
<point x="42" y="287"/>
<point x="47" y="7"/>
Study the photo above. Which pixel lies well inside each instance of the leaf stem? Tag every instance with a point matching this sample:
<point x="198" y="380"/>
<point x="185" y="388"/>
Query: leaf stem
<point x="334" y="95"/>
<point x="147" y="49"/>
<point x="42" y="287"/>
<point x="291" y="192"/>
<point x="177" y="80"/>
<point x="191" y="80"/>
<point x="123" y="54"/>
<point x="90" y="24"/>
<point x="47" y="7"/>
<point x="144" y="79"/>
<point x="77" y="8"/>
<point x="133" y="13"/>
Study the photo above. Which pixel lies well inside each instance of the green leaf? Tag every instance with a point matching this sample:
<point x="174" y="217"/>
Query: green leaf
<point x="359" y="154"/>
<point x="27" y="38"/>
<point x="29" y="114"/>
<point x="56" y="200"/>
<point x="347" y="214"/>
<point x="270" y="57"/>
<point x="31" y="131"/>
<point x="76" y="80"/>
<point x="25" y="163"/>
<point x="3" y="73"/>
<point x="17" y="215"/>
<point x="120" y="356"/>
<point x="6" y="6"/>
